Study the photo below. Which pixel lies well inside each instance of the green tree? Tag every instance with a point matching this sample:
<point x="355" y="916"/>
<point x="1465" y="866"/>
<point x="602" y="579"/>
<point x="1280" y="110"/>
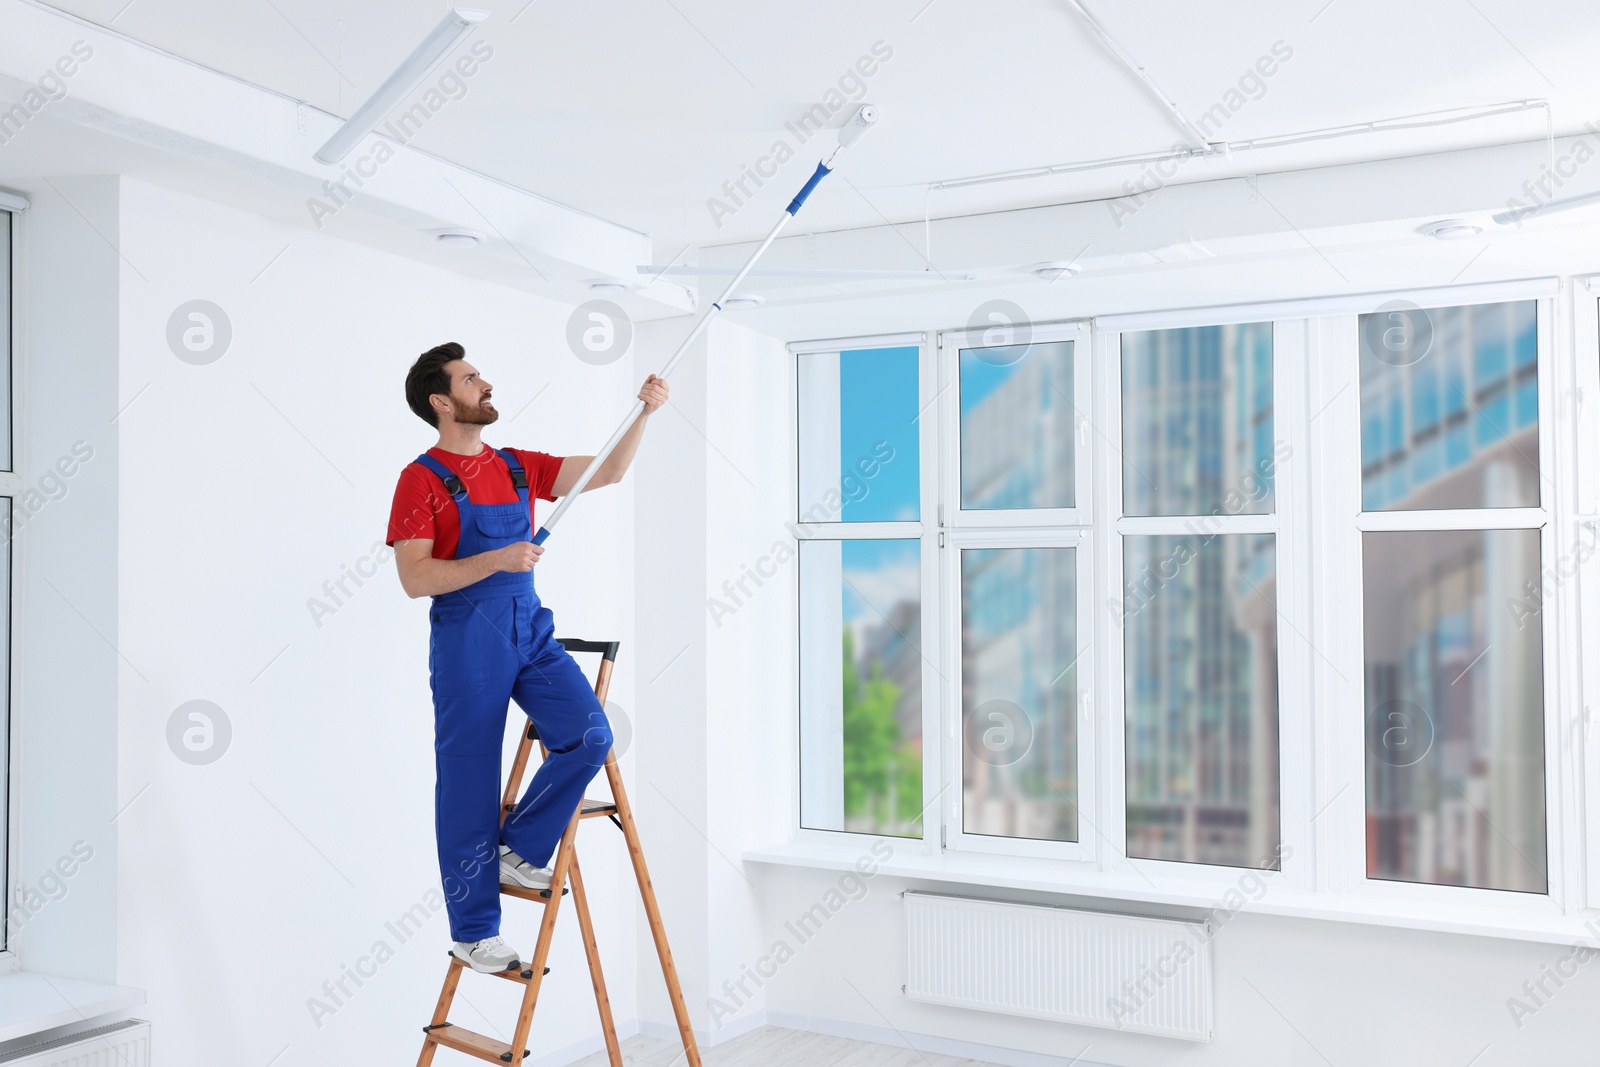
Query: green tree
<point x="873" y="751"/>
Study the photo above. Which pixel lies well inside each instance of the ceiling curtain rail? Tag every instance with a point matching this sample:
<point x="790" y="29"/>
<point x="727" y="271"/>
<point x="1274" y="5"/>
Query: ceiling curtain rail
<point x="1194" y="132"/>
<point x="1424" y="120"/>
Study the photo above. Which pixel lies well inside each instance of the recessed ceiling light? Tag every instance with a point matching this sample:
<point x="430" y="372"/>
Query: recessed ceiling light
<point x="453" y="238"/>
<point x="608" y="285"/>
<point x="743" y="303"/>
<point x="1052" y="270"/>
<point x="1451" y="230"/>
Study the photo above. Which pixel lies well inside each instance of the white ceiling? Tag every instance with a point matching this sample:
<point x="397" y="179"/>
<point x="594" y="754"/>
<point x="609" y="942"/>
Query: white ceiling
<point x="639" y="110"/>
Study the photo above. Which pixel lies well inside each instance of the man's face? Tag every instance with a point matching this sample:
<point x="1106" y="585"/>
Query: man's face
<point x="469" y="395"/>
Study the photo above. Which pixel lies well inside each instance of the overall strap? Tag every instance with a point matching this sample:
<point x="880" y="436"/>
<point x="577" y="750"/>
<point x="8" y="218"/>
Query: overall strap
<point x="519" y="477"/>
<point x="452" y="484"/>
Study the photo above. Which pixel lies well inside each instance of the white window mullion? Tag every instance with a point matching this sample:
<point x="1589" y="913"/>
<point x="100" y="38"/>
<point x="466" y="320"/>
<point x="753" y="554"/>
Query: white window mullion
<point x="1297" y="637"/>
<point x="1109" y="703"/>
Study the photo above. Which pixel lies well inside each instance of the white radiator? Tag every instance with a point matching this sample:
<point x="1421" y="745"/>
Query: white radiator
<point x="124" y="1044"/>
<point x="1127" y="972"/>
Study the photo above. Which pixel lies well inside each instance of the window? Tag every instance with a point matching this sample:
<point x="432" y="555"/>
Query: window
<point x="1453" y="656"/>
<point x="861" y="591"/>
<point x="1017" y="526"/>
<point x="1199" y="607"/>
<point x="1173" y="604"/>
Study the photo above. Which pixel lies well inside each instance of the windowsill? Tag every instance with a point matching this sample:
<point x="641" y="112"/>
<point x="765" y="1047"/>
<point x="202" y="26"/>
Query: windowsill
<point x="1050" y="876"/>
<point x="33" y="1003"/>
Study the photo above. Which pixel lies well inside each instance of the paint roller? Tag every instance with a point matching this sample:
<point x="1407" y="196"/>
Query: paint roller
<point x="864" y="119"/>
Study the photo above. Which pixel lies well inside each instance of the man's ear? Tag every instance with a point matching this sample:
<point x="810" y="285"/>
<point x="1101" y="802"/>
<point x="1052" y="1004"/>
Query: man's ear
<point x="440" y="403"/>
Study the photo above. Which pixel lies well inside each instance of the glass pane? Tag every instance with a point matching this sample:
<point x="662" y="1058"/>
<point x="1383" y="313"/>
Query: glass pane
<point x="1450" y="407"/>
<point x="1197" y="421"/>
<point x="1017" y="427"/>
<point x="861" y="686"/>
<point x="1200" y="618"/>
<point x="5" y="341"/>
<point x="858" y="436"/>
<point x="1019" y="693"/>
<point x="1454" y="708"/>
<point x="8" y="504"/>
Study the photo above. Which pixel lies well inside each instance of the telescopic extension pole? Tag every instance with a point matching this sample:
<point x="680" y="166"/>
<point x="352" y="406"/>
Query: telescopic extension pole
<point x="858" y="124"/>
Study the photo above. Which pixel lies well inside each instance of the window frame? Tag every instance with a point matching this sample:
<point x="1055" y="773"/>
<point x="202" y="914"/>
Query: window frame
<point x="962" y="528"/>
<point x="11" y="555"/>
<point x="921" y="529"/>
<point x="1318" y="523"/>
<point x="1585" y="523"/>
<point x="1344" y="738"/>
<point x="951" y="513"/>
<point x="1289" y="498"/>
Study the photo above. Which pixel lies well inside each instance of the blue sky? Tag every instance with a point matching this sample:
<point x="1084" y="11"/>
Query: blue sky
<point x="878" y="402"/>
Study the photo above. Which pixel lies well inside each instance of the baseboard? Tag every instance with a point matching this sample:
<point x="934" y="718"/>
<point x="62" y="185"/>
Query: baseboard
<point x="945" y="1046"/>
<point x="720" y="1036"/>
<point x="882" y="1035"/>
<point x="595" y="1042"/>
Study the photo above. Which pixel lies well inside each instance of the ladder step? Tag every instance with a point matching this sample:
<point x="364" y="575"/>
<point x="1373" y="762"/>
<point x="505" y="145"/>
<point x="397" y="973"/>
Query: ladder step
<point x="538" y="896"/>
<point x="463" y="1040"/>
<point x="525" y="975"/>
<point x="592" y="809"/>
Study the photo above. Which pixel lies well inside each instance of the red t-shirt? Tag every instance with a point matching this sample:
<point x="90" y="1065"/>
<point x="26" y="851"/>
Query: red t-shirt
<point x="423" y="509"/>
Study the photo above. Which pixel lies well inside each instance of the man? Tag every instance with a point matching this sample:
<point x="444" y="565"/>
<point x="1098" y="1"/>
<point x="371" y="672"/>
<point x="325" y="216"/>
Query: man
<point x="462" y="530"/>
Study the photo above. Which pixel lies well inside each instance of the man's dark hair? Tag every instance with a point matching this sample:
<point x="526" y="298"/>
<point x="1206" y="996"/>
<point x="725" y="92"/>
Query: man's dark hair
<point x="427" y="376"/>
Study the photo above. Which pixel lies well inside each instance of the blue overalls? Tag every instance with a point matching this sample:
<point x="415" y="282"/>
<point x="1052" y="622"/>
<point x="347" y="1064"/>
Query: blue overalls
<point x="492" y="643"/>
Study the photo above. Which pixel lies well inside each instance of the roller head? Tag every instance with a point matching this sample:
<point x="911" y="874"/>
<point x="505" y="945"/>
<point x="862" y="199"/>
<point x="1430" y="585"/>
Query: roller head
<point x="863" y="119"/>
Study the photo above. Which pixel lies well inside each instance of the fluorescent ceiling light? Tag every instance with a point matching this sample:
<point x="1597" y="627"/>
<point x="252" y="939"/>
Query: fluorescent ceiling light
<point x="1516" y="215"/>
<point x="418" y="65"/>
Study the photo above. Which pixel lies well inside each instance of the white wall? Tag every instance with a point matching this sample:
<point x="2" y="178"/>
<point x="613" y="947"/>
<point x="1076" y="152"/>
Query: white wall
<point x="233" y="491"/>
<point x="245" y="485"/>
<point x="713" y="490"/>
<point x="1339" y="992"/>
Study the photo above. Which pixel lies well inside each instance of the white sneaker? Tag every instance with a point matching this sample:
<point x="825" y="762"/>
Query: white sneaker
<point x="488" y="956"/>
<point x="514" y="870"/>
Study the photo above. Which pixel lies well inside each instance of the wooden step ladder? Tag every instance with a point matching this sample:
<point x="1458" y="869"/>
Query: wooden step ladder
<point x="440" y="1031"/>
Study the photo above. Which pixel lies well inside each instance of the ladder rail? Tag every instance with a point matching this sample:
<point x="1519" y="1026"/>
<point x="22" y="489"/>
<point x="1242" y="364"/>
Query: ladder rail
<point x="440" y="1031"/>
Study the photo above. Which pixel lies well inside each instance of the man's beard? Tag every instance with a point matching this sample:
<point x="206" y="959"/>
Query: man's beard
<point x="472" y="415"/>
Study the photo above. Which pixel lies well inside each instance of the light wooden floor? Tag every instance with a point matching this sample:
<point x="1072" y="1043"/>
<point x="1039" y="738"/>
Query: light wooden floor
<point x="773" y="1046"/>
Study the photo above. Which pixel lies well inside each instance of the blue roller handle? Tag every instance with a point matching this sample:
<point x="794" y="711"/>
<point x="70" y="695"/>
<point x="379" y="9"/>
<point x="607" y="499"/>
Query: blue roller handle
<point x="821" y="172"/>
